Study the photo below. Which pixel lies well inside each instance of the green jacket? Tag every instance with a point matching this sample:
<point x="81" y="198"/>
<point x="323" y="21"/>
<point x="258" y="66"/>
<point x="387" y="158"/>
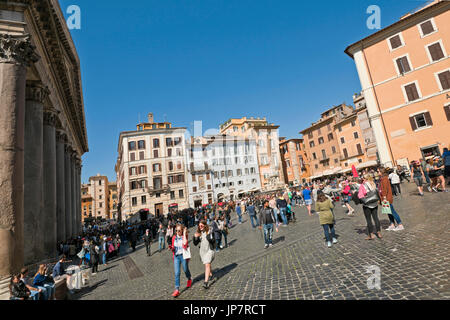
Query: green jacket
<point x="324" y="210"/>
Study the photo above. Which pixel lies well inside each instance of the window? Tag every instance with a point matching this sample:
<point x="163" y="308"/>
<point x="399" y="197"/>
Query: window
<point x="330" y="137"/>
<point x="155" y="154"/>
<point x="316" y="166"/>
<point x="288" y="164"/>
<point x="444" y="80"/>
<point x="208" y="176"/>
<point x="134" y="201"/>
<point x="132" y="145"/>
<point x="132" y="156"/>
<point x="169" y="142"/>
<point x="324" y="154"/>
<point x="141" y="144"/>
<point x="336" y="160"/>
<point x="222" y="174"/>
<point x="355" y="134"/>
<point x="421" y="120"/>
<point x="314" y="156"/>
<point x="342" y="140"/>
<point x="329" y="127"/>
<point x="133" y="171"/>
<point x="169" y="152"/>
<point x="252" y="170"/>
<point x="321" y="140"/>
<point x="447" y="111"/>
<point x="395" y="42"/>
<point x="230" y="173"/>
<point x="100" y="197"/>
<point x="411" y="92"/>
<point x="311" y="144"/>
<point x="157" y="183"/>
<point x="143" y="199"/>
<point x="319" y="132"/>
<point x="353" y="123"/>
<point x="157" y="167"/>
<point x="172" y="195"/>
<point x="435" y="51"/>
<point x="235" y="129"/>
<point x="345" y="153"/>
<point x="358" y="146"/>
<point x="340" y="129"/>
<point x="180" y="194"/>
<point x="426" y="28"/>
<point x="402" y="65"/>
<point x="333" y="149"/>
<point x="155" y="143"/>
<point x="170" y="166"/>
<point x="310" y="135"/>
<point x="177" y="141"/>
<point x="141" y="155"/>
<point x="179" y="152"/>
<point x="239" y="172"/>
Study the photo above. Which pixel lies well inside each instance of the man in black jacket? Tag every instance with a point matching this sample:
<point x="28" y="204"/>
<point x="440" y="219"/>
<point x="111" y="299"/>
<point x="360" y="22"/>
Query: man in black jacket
<point x="148" y="241"/>
<point x="267" y="220"/>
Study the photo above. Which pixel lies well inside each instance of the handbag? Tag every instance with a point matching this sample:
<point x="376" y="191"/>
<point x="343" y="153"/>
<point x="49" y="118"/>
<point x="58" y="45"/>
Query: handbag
<point x="186" y="253"/>
<point x="386" y="207"/>
<point x="370" y="198"/>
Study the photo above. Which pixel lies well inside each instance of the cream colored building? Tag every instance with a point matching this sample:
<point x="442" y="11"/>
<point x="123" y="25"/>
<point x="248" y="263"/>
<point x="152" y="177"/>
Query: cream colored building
<point x="267" y="147"/>
<point x="151" y="169"/>
<point x="99" y="191"/>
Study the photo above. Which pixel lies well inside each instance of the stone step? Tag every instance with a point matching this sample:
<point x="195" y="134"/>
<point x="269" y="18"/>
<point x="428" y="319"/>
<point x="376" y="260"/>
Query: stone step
<point x="4" y="289"/>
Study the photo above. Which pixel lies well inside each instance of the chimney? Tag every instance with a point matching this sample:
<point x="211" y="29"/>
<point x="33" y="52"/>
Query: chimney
<point x="150" y="118"/>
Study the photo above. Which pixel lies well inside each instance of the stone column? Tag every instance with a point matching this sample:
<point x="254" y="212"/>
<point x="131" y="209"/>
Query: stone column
<point x="33" y="196"/>
<point x="60" y="187"/>
<point x="48" y="215"/>
<point x="80" y="227"/>
<point x="73" y="195"/>
<point x="16" y="53"/>
<point x="68" y="189"/>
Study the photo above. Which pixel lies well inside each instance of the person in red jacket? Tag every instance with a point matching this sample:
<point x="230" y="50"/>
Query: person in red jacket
<point x="347" y="195"/>
<point x="179" y="244"/>
<point x="386" y="194"/>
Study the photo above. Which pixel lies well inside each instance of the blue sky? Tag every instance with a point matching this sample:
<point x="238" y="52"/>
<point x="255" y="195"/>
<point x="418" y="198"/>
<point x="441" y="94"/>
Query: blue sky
<point x="211" y="60"/>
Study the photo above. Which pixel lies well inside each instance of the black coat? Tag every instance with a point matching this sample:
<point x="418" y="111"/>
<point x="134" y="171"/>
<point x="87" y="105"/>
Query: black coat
<point x="148" y="239"/>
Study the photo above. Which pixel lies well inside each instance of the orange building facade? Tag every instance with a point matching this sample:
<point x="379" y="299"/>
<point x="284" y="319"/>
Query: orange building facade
<point x="404" y="71"/>
<point x="294" y="161"/>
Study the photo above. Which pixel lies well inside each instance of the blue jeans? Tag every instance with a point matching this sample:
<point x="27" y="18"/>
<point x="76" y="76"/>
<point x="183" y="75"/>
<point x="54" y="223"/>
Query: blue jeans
<point x="251" y="220"/>
<point x="395" y="216"/>
<point x="239" y="217"/>
<point x="178" y="261"/>
<point x="44" y="293"/>
<point x="268" y="233"/>
<point x="225" y="238"/>
<point x="104" y="257"/>
<point x="34" y="295"/>
<point x="275" y="213"/>
<point x="50" y="290"/>
<point x="283" y="215"/>
<point x="162" y="243"/>
<point x="327" y="234"/>
<point x="427" y="177"/>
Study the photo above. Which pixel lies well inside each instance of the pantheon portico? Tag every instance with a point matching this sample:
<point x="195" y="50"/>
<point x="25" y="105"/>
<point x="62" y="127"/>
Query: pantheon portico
<point x="42" y="133"/>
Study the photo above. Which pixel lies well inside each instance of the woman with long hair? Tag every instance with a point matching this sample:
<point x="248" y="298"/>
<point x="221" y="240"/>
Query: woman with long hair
<point x="41" y="280"/>
<point x="386" y="194"/>
<point x="178" y="245"/>
<point x="417" y="174"/>
<point x="368" y="194"/>
<point x="324" y="207"/>
<point x="431" y="173"/>
<point x="205" y="237"/>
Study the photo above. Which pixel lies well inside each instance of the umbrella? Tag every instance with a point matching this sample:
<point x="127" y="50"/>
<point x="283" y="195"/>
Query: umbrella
<point x="355" y="172"/>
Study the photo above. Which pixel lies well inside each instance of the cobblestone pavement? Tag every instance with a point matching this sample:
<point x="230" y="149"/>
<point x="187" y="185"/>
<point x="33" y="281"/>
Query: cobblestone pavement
<point x="414" y="263"/>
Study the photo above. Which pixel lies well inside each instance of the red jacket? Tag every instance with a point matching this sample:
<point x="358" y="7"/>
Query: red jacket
<point x="172" y="246"/>
<point x="386" y="190"/>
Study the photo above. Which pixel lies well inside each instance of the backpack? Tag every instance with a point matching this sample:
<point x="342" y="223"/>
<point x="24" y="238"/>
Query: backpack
<point x="355" y="198"/>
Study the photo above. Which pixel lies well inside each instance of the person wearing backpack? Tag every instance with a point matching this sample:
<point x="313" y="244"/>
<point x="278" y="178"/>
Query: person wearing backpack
<point x="368" y="195"/>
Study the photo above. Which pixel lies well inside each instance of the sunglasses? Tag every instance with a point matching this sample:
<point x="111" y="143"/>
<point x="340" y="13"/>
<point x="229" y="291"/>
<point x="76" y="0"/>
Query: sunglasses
<point x="179" y="230"/>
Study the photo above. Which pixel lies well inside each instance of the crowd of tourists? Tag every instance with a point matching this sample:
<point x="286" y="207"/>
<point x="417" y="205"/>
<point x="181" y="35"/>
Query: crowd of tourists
<point x="370" y="188"/>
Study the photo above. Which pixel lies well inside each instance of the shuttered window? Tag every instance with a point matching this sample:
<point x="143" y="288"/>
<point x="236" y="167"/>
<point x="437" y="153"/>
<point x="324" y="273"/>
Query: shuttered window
<point x="345" y="153"/>
<point x="403" y="65"/>
<point x="427" y="27"/>
<point x="358" y="146"/>
<point x="395" y="42"/>
<point x="421" y="121"/>
<point x="411" y="92"/>
<point x="436" y="52"/>
<point x="447" y="112"/>
<point x="132" y="157"/>
<point x="444" y="79"/>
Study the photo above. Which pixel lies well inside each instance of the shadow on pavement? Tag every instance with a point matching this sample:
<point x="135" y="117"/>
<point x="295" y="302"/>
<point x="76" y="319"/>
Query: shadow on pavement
<point x="279" y="239"/>
<point x="232" y="242"/>
<point x="218" y="273"/>
<point x="87" y="290"/>
<point x="108" y="268"/>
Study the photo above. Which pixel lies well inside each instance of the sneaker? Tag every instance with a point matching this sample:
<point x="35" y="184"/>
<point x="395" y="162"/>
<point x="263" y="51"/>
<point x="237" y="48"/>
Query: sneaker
<point x="206" y="285"/>
<point x="434" y="189"/>
<point x="335" y="241"/>
<point x="221" y="247"/>
<point x="266" y="246"/>
<point x="329" y="244"/>
<point x="429" y="189"/>
<point x="390" y="228"/>
<point x="94" y="273"/>
<point x="270" y="245"/>
<point x="399" y="228"/>
<point x="189" y="284"/>
<point x="176" y="293"/>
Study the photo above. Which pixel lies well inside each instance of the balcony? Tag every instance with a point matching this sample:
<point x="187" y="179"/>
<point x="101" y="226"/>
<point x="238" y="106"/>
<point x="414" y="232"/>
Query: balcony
<point x="324" y="159"/>
<point x="159" y="189"/>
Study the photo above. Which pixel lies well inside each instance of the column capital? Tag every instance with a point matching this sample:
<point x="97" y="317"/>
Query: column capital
<point x="17" y="49"/>
<point x="36" y="91"/>
<point x="68" y="149"/>
<point x="50" y="117"/>
<point x="61" y="137"/>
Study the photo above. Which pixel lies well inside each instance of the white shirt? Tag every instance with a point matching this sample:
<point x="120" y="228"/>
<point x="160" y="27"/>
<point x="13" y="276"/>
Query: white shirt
<point x="394" y="178"/>
<point x="178" y="244"/>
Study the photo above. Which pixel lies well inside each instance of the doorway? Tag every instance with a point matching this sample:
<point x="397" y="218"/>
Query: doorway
<point x="159" y="209"/>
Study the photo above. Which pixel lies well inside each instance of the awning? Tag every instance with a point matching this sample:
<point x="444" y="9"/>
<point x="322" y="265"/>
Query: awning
<point x="366" y="164"/>
<point x="346" y="170"/>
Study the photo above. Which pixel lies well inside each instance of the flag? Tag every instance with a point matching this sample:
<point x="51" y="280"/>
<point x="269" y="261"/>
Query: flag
<point x="355" y="172"/>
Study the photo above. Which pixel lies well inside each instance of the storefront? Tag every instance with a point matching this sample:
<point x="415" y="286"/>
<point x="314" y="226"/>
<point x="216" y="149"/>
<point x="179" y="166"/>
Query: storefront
<point x="430" y="151"/>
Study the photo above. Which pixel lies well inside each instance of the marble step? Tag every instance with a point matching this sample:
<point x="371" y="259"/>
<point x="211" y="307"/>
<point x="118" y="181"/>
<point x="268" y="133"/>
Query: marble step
<point x="4" y="288"/>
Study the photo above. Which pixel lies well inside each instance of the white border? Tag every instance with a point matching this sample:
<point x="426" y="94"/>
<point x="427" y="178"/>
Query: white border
<point x="401" y="39"/>
<point x="416" y="82"/>
<point x="411" y="68"/>
<point x="417" y="113"/>
<point x="428" y="51"/>
<point x="438" y="81"/>
<point x="420" y="29"/>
